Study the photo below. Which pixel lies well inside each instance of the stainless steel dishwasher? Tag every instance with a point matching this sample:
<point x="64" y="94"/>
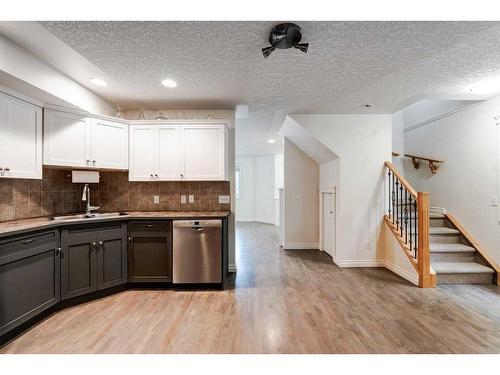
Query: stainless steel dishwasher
<point x="197" y="251"/>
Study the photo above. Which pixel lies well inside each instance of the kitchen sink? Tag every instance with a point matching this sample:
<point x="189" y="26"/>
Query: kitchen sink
<point x="91" y="217"/>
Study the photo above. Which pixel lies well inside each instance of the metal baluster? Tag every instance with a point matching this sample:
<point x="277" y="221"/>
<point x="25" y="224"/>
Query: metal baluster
<point x="401" y="208"/>
<point x="411" y="223"/>
<point x="393" y="194"/>
<point x="397" y="203"/>
<point x="406" y="216"/>
<point x="389" y="190"/>
<point x="415" y="247"/>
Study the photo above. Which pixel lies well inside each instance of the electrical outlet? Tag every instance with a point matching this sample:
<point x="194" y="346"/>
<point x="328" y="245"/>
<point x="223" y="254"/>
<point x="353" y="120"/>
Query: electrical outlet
<point x="183" y="199"/>
<point x="224" y="199"/>
<point x="493" y="201"/>
<point x="156" y="199"/>
<point x="191" y="199"/>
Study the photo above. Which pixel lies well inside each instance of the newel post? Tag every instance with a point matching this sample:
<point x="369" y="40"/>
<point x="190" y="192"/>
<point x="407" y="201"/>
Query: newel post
<point x="423" y="254"/>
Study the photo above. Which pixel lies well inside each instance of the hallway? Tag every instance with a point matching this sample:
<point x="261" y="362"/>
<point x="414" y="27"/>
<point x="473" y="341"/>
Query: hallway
<point x="294" y="301"/>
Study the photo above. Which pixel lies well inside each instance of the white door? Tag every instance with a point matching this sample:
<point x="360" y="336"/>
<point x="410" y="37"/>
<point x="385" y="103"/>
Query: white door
<point x="66" y="140"/>
<point x="143" y="152"/>
<point x="203" y="152"/>
<point x="169" y="152"/>
<point x="109" y="144"/>
<point x="22" y="140"/>
<point x="328" y="224"/>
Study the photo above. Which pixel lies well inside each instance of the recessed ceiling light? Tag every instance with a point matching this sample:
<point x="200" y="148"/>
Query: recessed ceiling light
<point x="99" y="82"/>
<point x="169" y="83"/>
<point x="271" y="141"/>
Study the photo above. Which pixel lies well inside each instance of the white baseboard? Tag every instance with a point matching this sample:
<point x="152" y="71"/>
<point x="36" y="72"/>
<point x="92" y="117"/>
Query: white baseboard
<point x="245" y="219"/>
<point x="301" y="246"/>
<point x="402" y="272"/>
<point x="359" y="263"/>
<point x="378" y="263"/>
<point x="231" y="268"/>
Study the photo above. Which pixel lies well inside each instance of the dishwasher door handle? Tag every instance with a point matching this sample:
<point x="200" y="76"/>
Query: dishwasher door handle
<point x="199" y="229"/>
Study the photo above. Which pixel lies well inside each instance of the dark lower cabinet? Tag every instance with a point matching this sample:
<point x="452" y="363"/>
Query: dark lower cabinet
<point x="93" y="258"/>
<point x="29" y="277"/>
<point x="150" y="251"/>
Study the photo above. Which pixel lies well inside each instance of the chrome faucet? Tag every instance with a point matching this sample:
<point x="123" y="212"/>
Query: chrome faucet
<point x="86" y="197"/>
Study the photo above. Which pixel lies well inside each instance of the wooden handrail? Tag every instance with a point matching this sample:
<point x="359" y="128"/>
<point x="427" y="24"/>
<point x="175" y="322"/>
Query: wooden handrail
<point x="415" y="245"/>
<point x="475" y="244"/>
<point x="401" y="179"/>
<point x="416" y="164"/>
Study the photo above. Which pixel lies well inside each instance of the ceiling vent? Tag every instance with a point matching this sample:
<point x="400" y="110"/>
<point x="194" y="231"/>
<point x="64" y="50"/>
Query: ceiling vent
<point x="284" y="36"/>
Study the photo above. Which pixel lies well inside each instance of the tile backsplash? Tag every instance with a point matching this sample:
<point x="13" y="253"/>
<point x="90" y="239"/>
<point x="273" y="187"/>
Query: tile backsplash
<point x="55" y="194"/>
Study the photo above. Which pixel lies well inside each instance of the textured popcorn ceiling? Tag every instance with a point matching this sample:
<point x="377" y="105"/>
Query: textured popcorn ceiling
<point x="219" y="64"/>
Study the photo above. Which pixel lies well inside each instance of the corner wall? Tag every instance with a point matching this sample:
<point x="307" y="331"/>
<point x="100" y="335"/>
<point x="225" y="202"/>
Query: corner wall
<point x="363" y="143"/>
<point x="301" y="199"/>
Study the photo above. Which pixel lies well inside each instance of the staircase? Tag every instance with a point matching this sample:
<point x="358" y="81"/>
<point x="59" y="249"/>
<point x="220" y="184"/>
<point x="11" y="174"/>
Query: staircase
<point x="440" y="249"/>
<point x="453" y="258"/>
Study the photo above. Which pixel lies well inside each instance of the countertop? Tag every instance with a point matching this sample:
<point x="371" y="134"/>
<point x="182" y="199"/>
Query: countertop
<point x="8" y="228"/>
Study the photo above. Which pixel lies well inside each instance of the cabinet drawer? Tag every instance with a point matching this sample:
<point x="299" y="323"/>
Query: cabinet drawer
<point x="28" y="245"/>
<point x="150" y="227"/>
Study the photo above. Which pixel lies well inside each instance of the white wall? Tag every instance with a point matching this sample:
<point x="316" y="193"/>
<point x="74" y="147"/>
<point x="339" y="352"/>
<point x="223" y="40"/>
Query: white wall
<point x="363" y="143"/>
<point x="329" y="174"/>
<point x="245" y="206"/>
<point x="301" y="197"/>
<point x="467" y="142"/>
<point x="257" y="201"/>
<point x="278" y="184"/>
<point x="398" y="140"/>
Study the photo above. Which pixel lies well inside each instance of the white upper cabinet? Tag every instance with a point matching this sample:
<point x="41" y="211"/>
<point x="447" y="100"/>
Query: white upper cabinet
<point x="143" y="160"/>
<point x="66" y="139"/>
<point x="174" y="152"/>
<point x="20" y="139"/>
<point x="169" y="167"/>
<point x="109" y="144"/>
<point x="77" y="141"/>
<point x="203" y="152"/>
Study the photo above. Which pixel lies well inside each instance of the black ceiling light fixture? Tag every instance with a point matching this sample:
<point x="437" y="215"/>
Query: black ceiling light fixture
<point x="284" y="36"/>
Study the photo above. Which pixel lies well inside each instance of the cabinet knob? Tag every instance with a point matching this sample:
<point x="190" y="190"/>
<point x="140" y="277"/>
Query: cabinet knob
<point x="156" y="175"/>
<point x="93" y="162"/>
<point x="151" y="175"/>
<point x="88" y="162"/>
<point x="129" y="239"/>
<point x="7" y="169"/>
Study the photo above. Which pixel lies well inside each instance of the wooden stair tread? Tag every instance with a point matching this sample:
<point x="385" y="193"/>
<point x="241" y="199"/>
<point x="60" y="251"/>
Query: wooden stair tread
<point x="450" y="248"/>
<point x="442" y="230"/>
<point x="460" y="267"/>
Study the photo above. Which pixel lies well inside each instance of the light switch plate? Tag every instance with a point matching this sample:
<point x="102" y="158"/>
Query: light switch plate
<point x="224" y="199"/>
<point x="191" y="199"/>
<point x="183" y="199"/>
<point x="156" y="199"/>
<point x="493" y="201"/>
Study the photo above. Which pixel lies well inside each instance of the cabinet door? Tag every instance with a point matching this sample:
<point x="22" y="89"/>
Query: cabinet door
<point x="66" y="140"/>
<point x="29" y="278"/>
<point x="21" y="137"/>
<point x="112" y="258"/>
<point x="109" y="144"/>
<point x="203" y="152"/>
<point x="79" y="263"/>
<point x="168" y="152"/>
<point x="150" y="251"/>
<point x="143" y="153"/>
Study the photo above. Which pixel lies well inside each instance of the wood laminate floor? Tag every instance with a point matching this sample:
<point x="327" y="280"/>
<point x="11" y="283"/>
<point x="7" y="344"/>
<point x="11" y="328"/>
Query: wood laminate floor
<point x="293" y="301"/>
